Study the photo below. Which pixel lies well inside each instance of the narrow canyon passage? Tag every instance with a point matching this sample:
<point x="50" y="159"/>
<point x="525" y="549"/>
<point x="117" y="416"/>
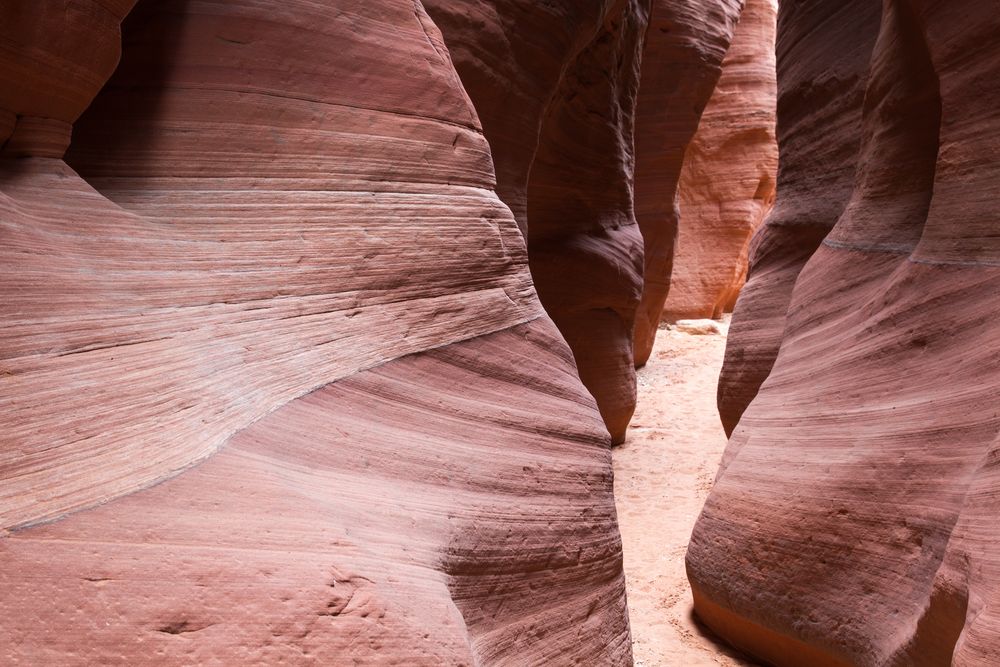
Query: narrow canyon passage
<point x="319" y="328"/>
<point x="663" y="473"/>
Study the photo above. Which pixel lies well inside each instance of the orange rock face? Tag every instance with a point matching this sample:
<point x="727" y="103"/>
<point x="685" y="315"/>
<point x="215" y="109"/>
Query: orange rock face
<point x="853" y="521"/>
<point x="682" y="61"/>
<point x="271" y="341"/>
<point x="727" y="182"/>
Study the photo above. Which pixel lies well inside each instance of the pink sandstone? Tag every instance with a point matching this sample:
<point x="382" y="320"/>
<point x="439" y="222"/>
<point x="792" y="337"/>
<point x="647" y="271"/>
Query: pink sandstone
<point x="275" y="385"/>
<point x="682" y="61"/>
<point x="555" y="86"/>
<point x="818" y="128"/>
<point x="853" y="521"/>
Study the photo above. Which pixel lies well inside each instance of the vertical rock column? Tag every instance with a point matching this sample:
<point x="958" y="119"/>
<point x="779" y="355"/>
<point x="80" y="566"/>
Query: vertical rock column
<point x="555" y="86"/>
<point x="685" y="45"/>
<point x="819" y="132"/>
<point x="584" y="247"/>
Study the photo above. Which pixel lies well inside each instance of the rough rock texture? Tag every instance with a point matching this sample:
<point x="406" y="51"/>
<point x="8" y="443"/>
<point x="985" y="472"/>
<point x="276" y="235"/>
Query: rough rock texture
<point x="555" y="85"/>
<point x="854" y="519"/>
<point x="727" y="182"/>
<point x="682" y="60"/>
<point x="203" y="355"/>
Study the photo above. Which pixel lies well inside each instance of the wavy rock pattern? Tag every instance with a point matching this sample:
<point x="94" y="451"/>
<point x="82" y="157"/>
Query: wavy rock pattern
<point x="727" y="182"/>
<point x="209" y="176"/>
<point x="425" y="512"/>
<point x="543" y="76"/>
<point x="858" y="494"/>
<point x="267" y="209"/>
<point x="682" y="61"/>
<point x="819" y="132"/>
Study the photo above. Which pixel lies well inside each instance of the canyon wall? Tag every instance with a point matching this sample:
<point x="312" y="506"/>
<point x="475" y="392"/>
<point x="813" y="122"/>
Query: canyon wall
<point x="682" y="61"/>
<point x="853" y="520"/>
<point x="728" y="178"/>
<point x="819" y="130"/>
<point x="274" y="382"/>
<point x="554" y="85"/>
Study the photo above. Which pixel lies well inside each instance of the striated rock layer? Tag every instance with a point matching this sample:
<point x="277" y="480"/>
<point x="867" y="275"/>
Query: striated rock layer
<point x="207" y="318"/>
<point x="420" y="513"/>
<point x="728" y="178"/>
<point x="251" y="240"/>
<point x="818" y="128"/>
<point x="853" y="521"/>
<point x="682" y="61"/>
<point x="554" y="85"/>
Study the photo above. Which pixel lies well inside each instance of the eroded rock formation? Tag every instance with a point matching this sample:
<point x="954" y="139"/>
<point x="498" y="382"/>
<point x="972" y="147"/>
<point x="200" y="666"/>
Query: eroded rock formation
<point x="685" y="45"/>
<point x="819" y="130"/>
<point x="728" y="178"/>
<point x="554" y="85"/>
<point x="853" y="521"/>
<point x="204" y="355"/>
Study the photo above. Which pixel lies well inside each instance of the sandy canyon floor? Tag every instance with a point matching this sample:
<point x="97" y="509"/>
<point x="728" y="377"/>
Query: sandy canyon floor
<point x="663" y="472"/>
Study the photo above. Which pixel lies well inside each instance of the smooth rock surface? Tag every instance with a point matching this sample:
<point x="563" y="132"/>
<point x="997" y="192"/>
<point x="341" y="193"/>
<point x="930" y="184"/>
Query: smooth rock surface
<point x="682" y="61"/>
<point x="555" y="86"/>
<point x="728" y="179"/>
<point x="207" y="359"/>
<point x="823" y="53"/>
<point x="853" y="521"/>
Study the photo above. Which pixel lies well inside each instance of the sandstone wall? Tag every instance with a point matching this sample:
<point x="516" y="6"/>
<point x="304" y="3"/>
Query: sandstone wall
<point x="728" y="178"/>
<point x="819" y="131"/>
<point x="685" y="45"/>
<point x="554" y="85"/>
<point x="208" y="314"/>
<point x="853" y="520"/>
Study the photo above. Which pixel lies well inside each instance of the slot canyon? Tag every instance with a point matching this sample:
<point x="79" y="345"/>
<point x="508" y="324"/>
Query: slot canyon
<point x="499" y="332"/>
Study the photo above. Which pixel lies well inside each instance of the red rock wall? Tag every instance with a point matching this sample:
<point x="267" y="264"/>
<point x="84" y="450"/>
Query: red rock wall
<point x="542" y="77"/>
<point x="555" y="87"/>
<point x="204" y="358"/>
<point x="584" y="246"/>
<point x="728" y="178"/>
<point x="682" y="60"/>
<point x="853" y="520"/>
<point x="819" y="130"/>
<point x="217" y="279"/>
<point x="46" y="83"/>
<point x="425" y="512"/>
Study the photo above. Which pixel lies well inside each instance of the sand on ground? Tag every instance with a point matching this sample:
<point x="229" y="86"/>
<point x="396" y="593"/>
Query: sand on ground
<point x="663" y="472"/>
